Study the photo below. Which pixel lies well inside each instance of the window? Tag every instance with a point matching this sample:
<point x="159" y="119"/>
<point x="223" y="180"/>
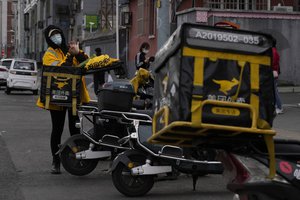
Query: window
<point x="6" y="63"/>
<point x="140" y="17"/>
<point x="261" y="5"/>
<point x="215" y="4"/>
<point x="152" y="18"/>
<point x="26" y="21"/>
<point x="24" y="66"/>
<point x="238" y="4"/>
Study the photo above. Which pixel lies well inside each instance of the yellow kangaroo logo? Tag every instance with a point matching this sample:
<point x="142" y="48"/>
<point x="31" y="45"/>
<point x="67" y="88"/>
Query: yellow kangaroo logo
<point x="60" y="85"/>
<point x="225" y="85"/>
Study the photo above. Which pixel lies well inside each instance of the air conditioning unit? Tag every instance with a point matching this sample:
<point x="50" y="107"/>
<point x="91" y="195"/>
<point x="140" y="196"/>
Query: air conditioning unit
<point x="40" y="24"/>
<point x="126" y="18"/>
<point x="72" y="21"/>
<point x="74" y="7"/>
<point x="283" y="8"/>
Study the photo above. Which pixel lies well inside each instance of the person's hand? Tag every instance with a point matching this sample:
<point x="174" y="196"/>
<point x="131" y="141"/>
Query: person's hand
<point x="74" y="48"/>
<point x="151" y="59"/>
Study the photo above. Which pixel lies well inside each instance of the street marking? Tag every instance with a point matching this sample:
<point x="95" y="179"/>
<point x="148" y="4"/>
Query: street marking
<point x="291" y="105"/>
<point x="1" y="133"/>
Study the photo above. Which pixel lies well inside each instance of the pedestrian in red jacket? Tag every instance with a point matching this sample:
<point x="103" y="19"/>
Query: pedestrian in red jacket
<point x="276" y="72"/>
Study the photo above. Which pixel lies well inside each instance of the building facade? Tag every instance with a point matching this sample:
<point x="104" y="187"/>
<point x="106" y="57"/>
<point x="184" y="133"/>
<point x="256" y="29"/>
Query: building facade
<point x="142" y="28"/>
<point x="8" y="9"/>
<point x="282" y="22"/>
<point x="37" y="15"/>
<point x="93" y="24"/>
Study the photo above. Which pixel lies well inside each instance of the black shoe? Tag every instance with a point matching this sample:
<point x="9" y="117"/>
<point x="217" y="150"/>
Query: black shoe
<point x="55" y="169"/>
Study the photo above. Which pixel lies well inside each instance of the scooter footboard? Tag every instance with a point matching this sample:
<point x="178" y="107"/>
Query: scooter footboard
<point x="208" y="167"/>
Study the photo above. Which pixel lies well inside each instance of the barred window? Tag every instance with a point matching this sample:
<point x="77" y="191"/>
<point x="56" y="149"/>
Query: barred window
<point x="238" y="4"/>
<point x="152" y="17"/>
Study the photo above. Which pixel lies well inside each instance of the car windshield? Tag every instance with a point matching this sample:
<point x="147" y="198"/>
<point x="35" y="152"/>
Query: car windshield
<point x="6" y="63"/>
<point x="24" y="65"/>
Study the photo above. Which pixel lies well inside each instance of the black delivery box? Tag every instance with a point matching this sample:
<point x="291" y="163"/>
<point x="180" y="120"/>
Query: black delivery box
<point x="116" y="96"/>
<point x="225" y="66"/>
<point x="61" y="86"/>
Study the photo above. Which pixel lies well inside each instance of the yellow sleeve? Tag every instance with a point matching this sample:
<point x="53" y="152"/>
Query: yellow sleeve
<point x="53" y="58"/>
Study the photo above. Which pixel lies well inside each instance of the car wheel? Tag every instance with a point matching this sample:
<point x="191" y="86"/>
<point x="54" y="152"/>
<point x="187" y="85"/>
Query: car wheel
<point x="35" y="92"/>
<point x="7" y="90"/>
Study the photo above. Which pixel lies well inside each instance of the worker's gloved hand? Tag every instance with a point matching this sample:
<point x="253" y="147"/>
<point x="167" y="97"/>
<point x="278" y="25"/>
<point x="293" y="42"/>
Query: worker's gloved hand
<point x="74" y="48"/>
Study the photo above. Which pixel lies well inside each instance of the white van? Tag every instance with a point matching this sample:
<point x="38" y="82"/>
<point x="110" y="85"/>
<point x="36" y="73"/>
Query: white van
<point x="22" y="75"/>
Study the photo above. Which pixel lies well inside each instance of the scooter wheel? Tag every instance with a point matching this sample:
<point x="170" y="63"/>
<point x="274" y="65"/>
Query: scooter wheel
<point x="132" y="185"/>
<point x="77" y="167"/>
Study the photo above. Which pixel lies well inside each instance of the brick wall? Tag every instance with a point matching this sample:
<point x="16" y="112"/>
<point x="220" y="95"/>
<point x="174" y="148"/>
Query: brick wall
<point x="136" y="39"/>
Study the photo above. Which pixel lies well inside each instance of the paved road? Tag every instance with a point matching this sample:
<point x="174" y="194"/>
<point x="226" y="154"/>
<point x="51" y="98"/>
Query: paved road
<point x="25" y="162"/>
<point x="287" y="125"/>
<point x="25" y="159"/>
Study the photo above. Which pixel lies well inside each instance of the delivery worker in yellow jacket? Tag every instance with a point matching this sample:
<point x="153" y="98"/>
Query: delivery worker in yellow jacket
<point x="59" y="54"/>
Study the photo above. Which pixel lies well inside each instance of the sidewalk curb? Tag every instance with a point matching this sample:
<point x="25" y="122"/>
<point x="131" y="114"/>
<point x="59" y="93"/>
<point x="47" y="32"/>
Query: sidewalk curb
<point x="292" y="89"/>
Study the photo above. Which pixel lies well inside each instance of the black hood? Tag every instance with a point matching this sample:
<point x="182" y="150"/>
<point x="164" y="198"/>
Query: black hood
<point x="63" y="46"/>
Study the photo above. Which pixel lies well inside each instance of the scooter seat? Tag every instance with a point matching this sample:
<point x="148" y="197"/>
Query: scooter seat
<point x="150" y="113"/>
<point x="91" y="103"/>
<point x="283" y="147"/>
<point x="287" y="147"/>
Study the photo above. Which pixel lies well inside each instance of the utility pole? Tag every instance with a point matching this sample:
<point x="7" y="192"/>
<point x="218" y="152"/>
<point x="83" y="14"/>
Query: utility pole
<point x="4" y="28"/>
<point x="19" y="30"/>
<point x="117" y="29"/>
<point x="163" y="23"/>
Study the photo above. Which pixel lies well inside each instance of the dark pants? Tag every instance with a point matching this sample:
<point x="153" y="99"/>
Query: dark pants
<point x="58" y="122"/>
<point x="278" y="103"/>
<point x="99" y="80"/>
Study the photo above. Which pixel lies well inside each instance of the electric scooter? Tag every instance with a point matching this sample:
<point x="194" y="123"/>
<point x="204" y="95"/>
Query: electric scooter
<point x="134" y="171"/>
<point x="105" y="125"/>
<point x="246" y="168"/>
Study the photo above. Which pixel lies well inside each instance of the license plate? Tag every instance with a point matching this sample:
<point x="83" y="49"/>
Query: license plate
<point x="226" y="111"/>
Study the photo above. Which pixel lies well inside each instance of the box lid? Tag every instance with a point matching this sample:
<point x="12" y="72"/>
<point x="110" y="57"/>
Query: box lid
<point x="120" y="85"/>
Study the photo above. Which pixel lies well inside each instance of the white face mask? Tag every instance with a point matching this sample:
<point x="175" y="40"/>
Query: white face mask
<point x="56" y="39"/>
<point x="145" y="51"/>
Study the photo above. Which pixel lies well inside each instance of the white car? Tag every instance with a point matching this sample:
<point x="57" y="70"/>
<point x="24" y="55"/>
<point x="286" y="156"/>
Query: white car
<point x="3" y="74"/>
<point x="22" y="75"/>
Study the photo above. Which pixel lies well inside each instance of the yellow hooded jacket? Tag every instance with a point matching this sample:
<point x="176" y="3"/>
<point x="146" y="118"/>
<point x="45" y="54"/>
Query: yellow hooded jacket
<point x="55" y="57"/>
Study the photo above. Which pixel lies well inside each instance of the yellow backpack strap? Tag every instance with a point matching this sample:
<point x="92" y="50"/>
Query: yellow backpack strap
<point x="198" y="87"/>
<point x="242" y="66"/>
<point x="48" y="85"/>
<point x="74" y="98"/>
<point x="254" y="75"/>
